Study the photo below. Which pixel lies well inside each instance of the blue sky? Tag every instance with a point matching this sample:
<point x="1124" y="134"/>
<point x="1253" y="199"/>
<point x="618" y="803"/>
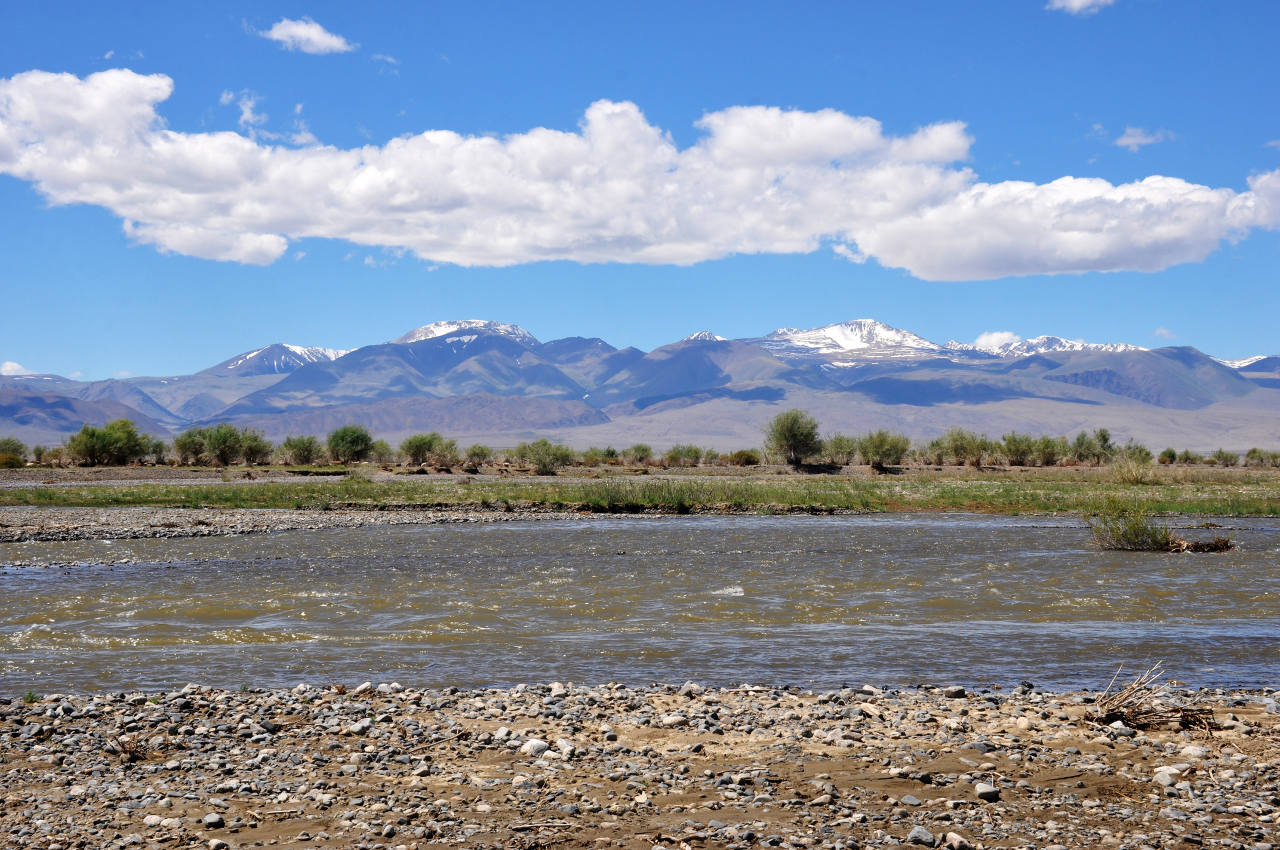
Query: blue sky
<point x="335" y="174"/>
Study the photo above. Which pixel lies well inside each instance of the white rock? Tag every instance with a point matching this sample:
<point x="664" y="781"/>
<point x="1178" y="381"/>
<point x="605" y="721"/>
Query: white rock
<point x="534" y="747"/>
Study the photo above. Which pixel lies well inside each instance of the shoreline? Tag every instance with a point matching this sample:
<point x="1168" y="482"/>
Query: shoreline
<point x="610" y="766"/>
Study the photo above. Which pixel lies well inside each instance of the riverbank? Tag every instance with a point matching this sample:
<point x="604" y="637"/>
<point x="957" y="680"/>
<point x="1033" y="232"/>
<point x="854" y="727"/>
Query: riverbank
<point x="609" y="766"/>
<point x="31" y="510"/>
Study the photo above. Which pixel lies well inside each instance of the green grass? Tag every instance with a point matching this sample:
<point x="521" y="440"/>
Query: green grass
<point x="994" y="493"/>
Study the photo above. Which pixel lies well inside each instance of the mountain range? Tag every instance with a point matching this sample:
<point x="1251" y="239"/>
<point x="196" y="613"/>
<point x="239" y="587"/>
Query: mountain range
<point x="494" y="382"/>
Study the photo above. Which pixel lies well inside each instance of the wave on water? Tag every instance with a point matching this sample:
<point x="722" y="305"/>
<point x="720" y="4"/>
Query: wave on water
<point x="731" y="590"/>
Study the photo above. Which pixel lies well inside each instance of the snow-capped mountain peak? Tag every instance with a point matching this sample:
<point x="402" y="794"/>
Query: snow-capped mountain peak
<point x="447" y="328"/>
<point x="278" y="358"/>
<point x="860" y="338"/>
<point x="703" y="336"/>
<point x="1011" y="345"/>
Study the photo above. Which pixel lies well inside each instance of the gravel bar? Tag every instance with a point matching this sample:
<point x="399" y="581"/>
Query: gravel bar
<point x="665" y="766"/>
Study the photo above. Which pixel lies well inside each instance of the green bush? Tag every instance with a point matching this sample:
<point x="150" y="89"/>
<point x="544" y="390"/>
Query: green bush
<point x="1049" y="451"/>
<point x="881" y="449"/>
<point x="381" y="452"/>
<point x="966" y="448"/>
<point x="350" y="444"/>
<point x="743" y="457"/>
<point x="1222" y="457"/>
<point x="420" y="447"/>
<point x="13" y="446"/>
<point x="254" y="447"/>
<point x="793" y="436"/>
<point x="301" y="451"/>
<point x="839" y="449"/>
<point x="115" y="444"/>
<point x="1019" y="449"/>
<point x="223" y="443"/>
<point x="189" y="446"/>
<point x="478" y="454"/>
<point x="545" y="456"/>
<point x="11" y="461"/>
<point x="1134" y="450"/>
<point x="639" y="453"/>
<point x="683" y="454"/>
<point x="1168" y="456"/>
<point x="1186" y="456"/>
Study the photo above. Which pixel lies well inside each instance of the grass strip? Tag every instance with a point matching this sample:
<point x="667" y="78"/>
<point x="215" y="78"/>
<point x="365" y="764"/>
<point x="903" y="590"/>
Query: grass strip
<point x="679" y="495"/>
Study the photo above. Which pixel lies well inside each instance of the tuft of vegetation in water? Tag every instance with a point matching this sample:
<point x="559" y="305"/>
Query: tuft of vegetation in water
<point x="1128" y="528"/>
<point x="1120" y="526"/>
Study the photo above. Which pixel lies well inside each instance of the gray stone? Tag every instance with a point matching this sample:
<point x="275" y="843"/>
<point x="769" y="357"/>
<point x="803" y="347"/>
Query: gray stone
<point x="922" y="836"/>
<point x="987" y="792"/>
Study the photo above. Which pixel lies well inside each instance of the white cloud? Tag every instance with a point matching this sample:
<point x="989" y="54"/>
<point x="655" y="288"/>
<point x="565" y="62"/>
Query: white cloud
<point x="10" y="368"/>
<point x="1274" y="143"/>
<point x="383" y="57"/>
<point x="1164" y="333"/>
<point x="226" y="97"/>
<point x="994" y="340"/>
<point x="108" y="54"/>
<point x="759" y="180"/>
<point x="306" y="35"/>
<point x="250" y="119"/>
<point x="1136" y="138"/>
<point x="1078" y="7"/>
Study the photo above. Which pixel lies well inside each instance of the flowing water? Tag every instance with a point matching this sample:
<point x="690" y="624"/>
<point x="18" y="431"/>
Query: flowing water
<point x="890" y="600"/>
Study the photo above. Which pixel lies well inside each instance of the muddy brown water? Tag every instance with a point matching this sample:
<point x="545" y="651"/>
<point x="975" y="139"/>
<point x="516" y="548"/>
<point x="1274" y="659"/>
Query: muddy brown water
<point x="815" y="601"/>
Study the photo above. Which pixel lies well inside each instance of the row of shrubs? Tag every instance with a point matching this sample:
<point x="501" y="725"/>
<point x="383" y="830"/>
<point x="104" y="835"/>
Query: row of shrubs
<point x="792" y="437"/>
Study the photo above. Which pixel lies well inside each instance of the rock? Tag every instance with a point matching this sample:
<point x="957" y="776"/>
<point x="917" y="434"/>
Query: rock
<point x="920" y="835"/>
<point x="986" y="792"/>
<point x="534" y="747"/>
<point x="956" y="841"/>
<point x="954" y="692"/>
<point x="213" y="820"/>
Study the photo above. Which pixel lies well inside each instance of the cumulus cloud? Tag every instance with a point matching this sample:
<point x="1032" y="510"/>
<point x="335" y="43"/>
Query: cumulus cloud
<point x="1136" y="138"/>
<point x="1078" y="7"/>
<point x="306" y="35"/>
<point x="995" y="340"/>
<point x="10" y="368"/>
<point x="759" y="180"/>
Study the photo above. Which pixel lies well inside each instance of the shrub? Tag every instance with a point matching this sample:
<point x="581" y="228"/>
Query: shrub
<point x="793" y="435"/>
<point x="478" y="454"/>
<point x="710" y="457"/>
<point x="381" y="452"/>
<point x="880" y="449"/>
<point x="593" y="457"/>
<point x="1135" y="451"/>
<point x="1189" y="457"/>
<point x="115" y="444"/>
<point x="419" y="447"/>
<point x="1128" y="528"/>
<point x="300" y="450"/>
<point x="840" y="449"/>
<point x="639" y="453"/>
<point x="254" y="447"/>
<point x="1130" y="469"/>
<point x="10" y="461"/>
<point x="1222" y="457"/>
<point x="1049" y="451"/>
<point x="189" y="446"/>
<point x="37" y="452"/>
<point x="545" y="456"/>
<point x="743" y="457"/>
<point x="964" y="447"/>
<point x="349" y="444"/>
<point x="683" y="454"/>
<point x="223" y="443"/>
<point x="1168" y="456"/>
<point x="13" y="446"/>
<point x="1019" y="449"/>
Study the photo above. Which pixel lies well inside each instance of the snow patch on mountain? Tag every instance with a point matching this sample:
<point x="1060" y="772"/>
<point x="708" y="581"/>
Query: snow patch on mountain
<point x="1243" y="362"/>
<point x="703" y="336"/>
<point x="446" y="328"/>
<point x="861" y="338"/>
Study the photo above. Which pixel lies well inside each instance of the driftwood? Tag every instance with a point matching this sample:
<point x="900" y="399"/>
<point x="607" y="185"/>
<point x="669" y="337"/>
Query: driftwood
<point x="1139" y="704"/>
